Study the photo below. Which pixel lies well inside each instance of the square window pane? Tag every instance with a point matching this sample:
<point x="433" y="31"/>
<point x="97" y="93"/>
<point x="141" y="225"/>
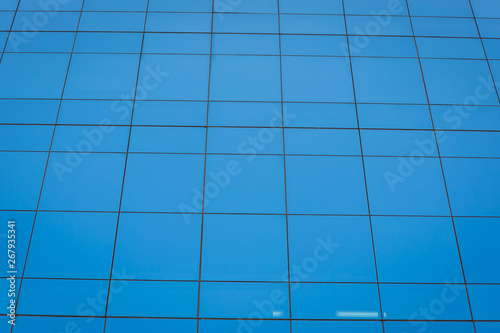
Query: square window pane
<point x="268" y="326"/>
<point x="245" y="141"/>
<point x="167" y="140"/>
<point x="470" y="144"/>
<point x="179" y="22"/>
<point x="398" y="143"/>
<point x="41" y="42"/>
<point x="332" y="115"/>
<point x="312" y="24"/>
<point x="180" y="6"/>
<point x="368" y="7"/>
<point x="94" y="112"/>
<point x="88" y="139"/>
<point x="486" y="8"/>
<point x="25" y="137"/>
<point x="74" y="5"/>
<point x="115" y="5"/>
<point x="101" y="42"/>
<point x="42" y="20"/>
<point x="428" y="326"/>
<point x="176" y="43"/>
<point x="394" y="116"/>
<point x="246" y="23"/>
<point x="304" y="326"/>
<point x="246" y="114"/>
<point x="450" y="48"/>
<point x="245" y="44"/>
<point x="311" y="7"/>
<point x="102" y="21"/>
<point x="119" y="325"/>
<point x="188" y="113"/>
<point x="322" y="142"/>
<point x="444" y="27"/>
<point x="370" y="26"/>
<point x="460" y="8"/>
<point x="484" y="300"/>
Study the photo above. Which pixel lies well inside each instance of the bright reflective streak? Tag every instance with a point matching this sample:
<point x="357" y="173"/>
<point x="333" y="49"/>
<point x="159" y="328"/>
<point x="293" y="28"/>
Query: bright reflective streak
<point x="357" y="314"/>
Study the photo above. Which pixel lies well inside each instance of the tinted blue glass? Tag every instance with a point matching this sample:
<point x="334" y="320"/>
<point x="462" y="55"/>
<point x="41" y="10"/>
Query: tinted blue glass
<point x="103" y="113"/>
<point x="381" y="46"/>
<point x="118" y="325"/>
<point x="397" y="143"/>
<point x="181" y="6"/>
<point x="244" y="184"/>
<point x="255" y="6"/>
<point x="331" y="249"/>
<point x="470" y="144"/>
<point x="102" y="21"/>
<point x="31" y="75"/>
<point x="428" y="326"/>
<point x="368" y="7"/>
<point x="63" y="297"/>
<point x="178" y="22"/>
<point x="450" y="48"/>
<point x="411" y="249"/>
<point x="7" y="18"/>
<point x="479" y="246"/>
<point x="245" y="78"/>
<point x="244" y="248"/>
<point x="50" y="6"/>
<point x="253" y="325"/>
<point x="370" y="26"/>
<point x="336" y="326"/>
<point x="466" y="117"/>
<point x="425" y="301"/>
<point x="41" y="42"/>
<point x="395" y="185"/>
<point x="485" y="8"/>
<point x="335" y="301"/>
<point x="245" y="44"/>
<point x="21" y="179"/>
<point x="322" y="142"/>
<point x="176" y="43"/>
<point x="484" y="301"/>
<point x="3" y="37"/>
<point x="98" y="76"/>
<point x="244" y="300"/>
<point x="9" y="5"/>
<point x="492" y="47"/>
<point x="311" y="7"/>
<point x="28" y="138"/>
<point x="170" y="113"/>
<point x="495" y="68"/>
<point x="245" y="114"/>
<point x="24" y="224"/>
<point x="460" y="8"/>
<point x="166" y="140"/>
<point x="388" y="81"/>
<point x="444" y="27"/>
<point x="72" y="245"/>
<point x="164" y="247"/>
<point x="108" y="42"/>
<point x="473" y="193"/>
<point x="47" y="324"/>
<point x="487" y="327"/>
<point x="312" y="24"/>
<point x="488" y="28"/>
<point x="115" y="5"/>
<point x="323" y="191"/>
<point x="313" y="45"/>
<point x="85" y="139"/>
<point x="154" y="299"/>
<point x="76" y="181"/>
<point x="319" y="115"/>
<point x="162" y="183"/>
<point x="316" y="79"/>
<point x="247" y="23"/>
<point x="177" y="77"/>
<point x="394" y="116"/>
<point x="28" y="22"/>
<point x="458" y="82"/>
<point x="245" y="140"/>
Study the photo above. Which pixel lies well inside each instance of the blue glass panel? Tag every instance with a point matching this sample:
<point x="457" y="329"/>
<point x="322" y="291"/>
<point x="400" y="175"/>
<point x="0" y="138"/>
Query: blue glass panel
<point x="62" y="324"/>
<point x="88" y="139"/>
<point x="24" y="224"/>
<point x="381" y="46"/>
<point x="84" y="243"/>
<point x="30" y="22"/>
<point x="41" y="42"/>
<point x="445" y="301"/>
<point x="89" y="182"/>
<point x="9" y="5"/>
<point x="411" y="249"/>
<point x="245" y="44"/>
<point x="319" y="115"/>
<point x="458" y="82"/>
<point x="459" y="8"/>
<point x="119" y="325"/>
<point x="94" y="42"/>
<point x="330" y="249"/>
<point x="162" y="183"/>
<point x="316" y="79"/>
<point x="30" y="75"/>
<point x="450" y="48"/>
<point x="244" y="300"/>
<point x="164" y="247"/>
<point x="379" y="26"/>
<point x="484" y="301"/>
<point x="154" y="299"/>
<point x="479" y="245"/>
<point x="25" y="137"/>
<point x="102" y="21"/>
<point x="388" y="80"/>
<point x="492" y="47"/>
<point x="87" y="112"/>
<point x="3" y="37"/>
<point x="370" y="7"/>
<point x="63" y="297"/>
<point x="473" y="193"/>
<point x="254" y="6"/>
<point x="312" y="24"/>
<point x="180" y="6"/>
<point x="486" y="8"/>
<point x="115" y="5"/>
<point x="311" y="7"/>
<point x="245" y="78"/>
<point x="313" y="45"/>
<point x="397" y="143"/>
<point x="244" y="248"/>
<point x="406" y="185"/>
<point x="322" y="142"/>
<point x="179" y="22"/>
<point x="255" y="325"/>
<point x="394" y="116"/>
<point x="245" y="140"/>
<point x="170" y="113"/>
<point x="303" y="326"/>
<point x="470" y="144"/>
<point x="21" y="179"/>
<point x="166" y="140"/>
<point x="6" y="20"/>
<point x="50" y="6"/>
<point x="444" y="27"/>
<point x="247" y="23"/>
<point x="467" y="117"/>
<point x="245" y="114"/>
<point x="324" y="191"/>
<point x="335" y="301"/>
<point x="177" y="43"/>
<point x="489" y="28"/>
<point x="428" y="326"/>
<point x="244" y="184"/>
<point x="487" y="327"/>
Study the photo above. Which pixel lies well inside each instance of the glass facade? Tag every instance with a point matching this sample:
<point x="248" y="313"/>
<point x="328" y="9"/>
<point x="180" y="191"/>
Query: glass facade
<point x="200" y="166"/>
